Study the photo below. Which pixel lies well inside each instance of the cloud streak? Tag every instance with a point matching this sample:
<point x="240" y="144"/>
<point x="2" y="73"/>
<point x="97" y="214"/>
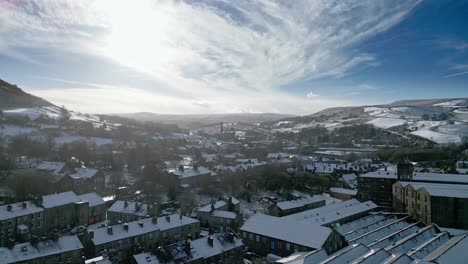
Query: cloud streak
<point x="208" y="49"/>
<point x="456" y="74"/>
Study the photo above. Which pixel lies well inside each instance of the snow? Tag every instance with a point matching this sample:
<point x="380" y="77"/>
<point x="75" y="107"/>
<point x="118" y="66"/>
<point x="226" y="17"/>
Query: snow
<point x="286" y="205"/>
<point x="437" y="137"/>
<point x="455" y="129"/>
<point x="384" y="122"/>
<point x="59" y="199"/>
<point x="67" y="138"/>
<point x="84" y="173"/>
<point x="453" y="103"/>
<point x="93" y="198"/>
<point x="331" y="213"/>
<point x="35" y="112"/>
<point x="101" y="235"/>
<point x="12" y="130"/>
<point x="25" y="252"/>
<point x="300" y="233"/>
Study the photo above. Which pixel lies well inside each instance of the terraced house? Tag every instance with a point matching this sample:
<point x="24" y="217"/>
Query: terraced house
<point x="19" y="220"/>
<point x="123" y="240"/>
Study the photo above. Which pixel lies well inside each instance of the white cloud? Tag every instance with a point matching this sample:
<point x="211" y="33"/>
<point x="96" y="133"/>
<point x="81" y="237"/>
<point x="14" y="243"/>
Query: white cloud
<point x="111" y="99"/>
<point x="214" y="50"/>
<point x="312" y="95"/>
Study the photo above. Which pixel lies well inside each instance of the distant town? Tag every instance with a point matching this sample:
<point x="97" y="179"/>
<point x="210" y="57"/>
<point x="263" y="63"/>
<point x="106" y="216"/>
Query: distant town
<point x="357" y="185"/>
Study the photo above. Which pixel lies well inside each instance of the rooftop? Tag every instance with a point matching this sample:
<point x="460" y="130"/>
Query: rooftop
<point x="199" y="249"/>
<point x="52" y="166"/>
<point x="192" y="172"/>
<point x="101" y="235"/>
<point x="59" y="199"/>
<point x="420" y="176"/>
<point x="286" y="205"/>
<point x="343" y="191"/>
<point x="93" y="198"/>
<point x="301" y="233"/>
<point x="440" y="190"/>
<point x="25" y="251"/>
<point x="331" y="213"/>
<point x="18" y="209"/>
<point x="129" y="207"/>
<point x="84" y="173"/>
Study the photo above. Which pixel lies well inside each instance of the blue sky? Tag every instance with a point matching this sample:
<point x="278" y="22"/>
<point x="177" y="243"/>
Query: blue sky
<point x="216" y="56"/>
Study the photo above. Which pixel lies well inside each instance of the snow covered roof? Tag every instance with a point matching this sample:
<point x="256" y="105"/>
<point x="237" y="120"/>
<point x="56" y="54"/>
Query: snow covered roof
<point x="25" y="252"/>
<point x="129" y="207"/>
<point x="359" y="223"/>
<point x="372" y="233"/>
<point x="93" y="198"/>
<point x="420" y="176"/>
<point x="98" y="260"/>
<point x="18" y="210"/>
<point x="346" y="254"/>
<point x="454" y="251"/>
<point x="286" y="205"/>
<point x="331" y="213"/>
<point x="207" y="208"/>
<point x="199" y="249"/>
<point x="278" y="155"/>
<point x="300" y="233"/>
<point x="305" y="258"/>
<point x="351" y="180"/>
<point x="101" y="235"/>
<point x="224" y="214"/>
<point x="380" y="174"/>
<point x="51" y="166"/>
<point x="84" y="173"/>
<point x="59" y="199"/>
<point x="191" y="172"/>
<point x="440" y="189"/>
<point x="441" y="177"/>
<point x="343" y="191"/>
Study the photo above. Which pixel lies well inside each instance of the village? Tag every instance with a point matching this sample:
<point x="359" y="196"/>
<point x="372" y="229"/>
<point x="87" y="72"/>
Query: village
<point x="227" y="193"/>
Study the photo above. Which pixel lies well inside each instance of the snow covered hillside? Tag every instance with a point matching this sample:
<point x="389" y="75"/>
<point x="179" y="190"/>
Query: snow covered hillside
<point x="442" y="121"/>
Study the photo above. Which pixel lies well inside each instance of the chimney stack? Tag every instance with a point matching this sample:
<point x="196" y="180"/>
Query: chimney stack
<point x="25" y="205"/>
<point x="210" y="241"/>
<point x="9" y="207"/>
<point x="140" y="224"/>
<point x="125" y="226"/>
<point x="109" y="230"/>
<point x="125" y="204"/>
<point x="91" y="233"/>
<point x="155" y="220"/>
<point x="195" y="167"/>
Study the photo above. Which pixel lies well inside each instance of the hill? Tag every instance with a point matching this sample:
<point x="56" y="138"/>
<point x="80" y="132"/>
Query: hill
<point x="204" y="119"/>
<point x="11" y="96"/>
<point x="439" y="120"/>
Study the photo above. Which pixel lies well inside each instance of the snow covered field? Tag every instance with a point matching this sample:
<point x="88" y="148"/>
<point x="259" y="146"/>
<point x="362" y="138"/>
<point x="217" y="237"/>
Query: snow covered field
<point x="437" y="137"/>
<point x="11" y="130"/>
<point x="384" y="122"/>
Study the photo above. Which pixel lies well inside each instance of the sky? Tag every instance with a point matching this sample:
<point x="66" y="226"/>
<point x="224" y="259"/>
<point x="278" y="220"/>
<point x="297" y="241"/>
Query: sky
<point x="242" y="56"/>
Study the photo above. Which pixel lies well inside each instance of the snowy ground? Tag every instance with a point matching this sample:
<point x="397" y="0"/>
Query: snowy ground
<point x="383" y="122"/>
<point x="437" y="137"/>
<point x="67" y="138"/>
<point x="12" y="130"/>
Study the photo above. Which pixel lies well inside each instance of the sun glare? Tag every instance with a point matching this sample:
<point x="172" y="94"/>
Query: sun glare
<point x="136" y="37"/>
